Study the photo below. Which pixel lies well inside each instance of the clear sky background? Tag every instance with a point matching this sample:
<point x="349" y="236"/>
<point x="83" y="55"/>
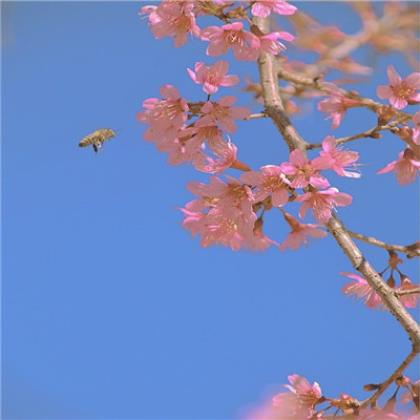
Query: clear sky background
<point x="110" y="309"/>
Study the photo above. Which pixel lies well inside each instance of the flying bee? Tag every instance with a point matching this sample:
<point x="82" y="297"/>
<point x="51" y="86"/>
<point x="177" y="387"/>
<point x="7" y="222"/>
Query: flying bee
<point x="97" y="138"/>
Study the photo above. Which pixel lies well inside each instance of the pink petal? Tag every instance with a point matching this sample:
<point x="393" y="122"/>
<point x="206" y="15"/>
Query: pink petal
<point x="280" y="198"/>
<point x="393" y="76"/>
<point x="260" y="10"/>
<point x="398" y="103"/>
<point x="413" y="80"/>
<point x="229" y="81"/>
<point x="298" y="158"/>
<point x="384" y="92"/>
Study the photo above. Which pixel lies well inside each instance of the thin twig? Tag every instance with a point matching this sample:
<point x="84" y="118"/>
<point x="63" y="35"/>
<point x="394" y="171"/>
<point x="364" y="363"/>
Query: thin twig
<point x="371" y="133"/>
<point x="408" y="292"/>
<point x="256" y="116"/>
<point x="397" y="373"/>
<point x="411" y="250"/>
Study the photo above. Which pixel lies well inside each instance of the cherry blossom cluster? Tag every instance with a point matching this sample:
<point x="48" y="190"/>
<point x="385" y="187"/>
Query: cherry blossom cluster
<point x="194" y="132"/>
<point x="226" y="213"/>
<point x="400" y="93"/>
<point x="305" y="401"/>
<point x="178" y="19"/>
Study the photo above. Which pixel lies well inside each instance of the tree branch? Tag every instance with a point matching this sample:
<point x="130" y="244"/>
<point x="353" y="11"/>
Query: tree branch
<point x="408" y="292"/>
<point x="397" y="373"/>
<point x="275" y="110"/>
<point x="372" y="133"/>
<point x="412" y="250"/>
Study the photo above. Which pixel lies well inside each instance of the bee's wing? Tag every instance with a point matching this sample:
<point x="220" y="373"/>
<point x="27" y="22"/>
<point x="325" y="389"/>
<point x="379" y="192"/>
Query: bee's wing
<point x="105" y="134"/>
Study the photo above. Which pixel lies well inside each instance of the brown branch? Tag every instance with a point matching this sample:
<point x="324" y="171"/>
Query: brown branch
<point x="408" y="292"/>
<point x="371" y="133"/>
<point x="371" y="401"/>
<point x="411" y="250"/>
<point x="274" y="107"/>
<point x="275" y="110"/>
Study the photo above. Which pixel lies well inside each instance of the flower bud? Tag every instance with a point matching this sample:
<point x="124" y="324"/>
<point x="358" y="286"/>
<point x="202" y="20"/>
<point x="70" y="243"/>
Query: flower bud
<point x="371" y="387"/>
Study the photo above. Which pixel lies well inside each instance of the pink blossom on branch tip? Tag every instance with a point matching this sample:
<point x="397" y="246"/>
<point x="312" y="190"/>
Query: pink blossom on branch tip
<point x="270" y="43"/>
<point x="300" y="233"/>
<point x="300" y="401"/>
<point x="264" y="8"/>
<point x="406" y="167"/>
<point x="409" y="301"/>
<point x="361" y="289"/>
<point x="172" y="19"/>
<point x="165" y="116"/>
<point x="212" y="77"/>
<point x="400" y="92"/>
<point x="336" y="105"/>
<point x="303" y="172"/>
<point x="332" y="157"/>
<point x="268" y="182"/>
<point x="244" y="44"/>
<point x="322" y="203"/>
<point x="225" y="156"/>
<point x="222" y="113"/>
<point x="223" y="214"/>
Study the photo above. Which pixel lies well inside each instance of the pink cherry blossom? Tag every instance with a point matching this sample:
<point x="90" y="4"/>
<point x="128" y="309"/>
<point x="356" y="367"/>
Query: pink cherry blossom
<point x="244" y="44"/>
<point x="203" y="132"/>
<point x="222" y="113"/>
<point x="300" y="401"/>
<point x="212" y="77"/>
<point x="336" y="105"/>
<point x="225" y="153"/>
<point x="270" y="43"/>
<point x="264" y="8"/>
<point x="215" y="228"/>
<point x="416" y="129"/>
<point x="409" y="301"/>
<point x="362" y="290"/>
<point x="323" y="203"/>
<point x="406" y="167"/>
<point x="270" y="181"/>
<point x="223" y="214"/>
<point x="303" y="171"/>
<point x="174" y="19"/>
<point x="258" y="241"/>
<point x="165" y="116"/>
<point x="333" y="158"/>
<point x="400" y="92"/>
<point x="177" y="153"/>
<point x="300" y="233"/>
<point x="232" y="198"/>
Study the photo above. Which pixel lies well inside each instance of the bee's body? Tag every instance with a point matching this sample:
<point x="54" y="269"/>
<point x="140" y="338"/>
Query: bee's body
<point x="97" y="138"/>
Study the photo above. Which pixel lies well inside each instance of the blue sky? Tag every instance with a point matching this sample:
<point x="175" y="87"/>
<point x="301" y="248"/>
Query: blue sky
<point x="110" y="309"/>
